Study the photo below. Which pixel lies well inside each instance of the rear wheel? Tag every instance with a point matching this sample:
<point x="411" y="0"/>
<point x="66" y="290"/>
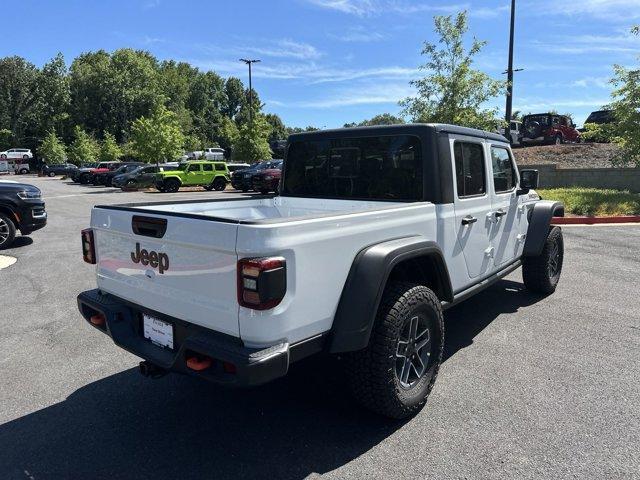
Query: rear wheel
<point x="219" y="184"/>
<point x="52" y="174"/>
<point x="84" y="178"/>
<point x="542" y="273"/>
<point x="3" y="156"/>
<point x="7" y="231"/>
<point x="25" y="157"/>
<point x="171" y="185"/>
<point x="558" y="140"/>
<point x="24" y="171"/>
<point x="395" y="373"/>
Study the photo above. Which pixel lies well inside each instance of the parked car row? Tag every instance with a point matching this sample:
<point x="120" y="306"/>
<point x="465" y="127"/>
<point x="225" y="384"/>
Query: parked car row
<point x="263" y="177"/>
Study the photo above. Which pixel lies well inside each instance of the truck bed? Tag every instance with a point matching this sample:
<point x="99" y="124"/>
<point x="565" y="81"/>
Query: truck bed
<point x="203" y="241"/>
<point x="250" y="210"/>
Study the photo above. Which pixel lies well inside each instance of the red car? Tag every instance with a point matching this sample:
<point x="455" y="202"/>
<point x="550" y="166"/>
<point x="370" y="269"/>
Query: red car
<point x="548" y="129"/>
<point x="103" y="167"/>
<point x="266" y="181"/>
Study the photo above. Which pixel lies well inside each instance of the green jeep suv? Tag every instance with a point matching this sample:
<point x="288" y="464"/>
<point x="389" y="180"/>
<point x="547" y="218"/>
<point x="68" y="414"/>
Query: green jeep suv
<point x="210" y="175"/>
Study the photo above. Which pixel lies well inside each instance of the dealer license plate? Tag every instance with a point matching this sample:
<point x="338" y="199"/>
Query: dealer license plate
<point x="158" y="331"/>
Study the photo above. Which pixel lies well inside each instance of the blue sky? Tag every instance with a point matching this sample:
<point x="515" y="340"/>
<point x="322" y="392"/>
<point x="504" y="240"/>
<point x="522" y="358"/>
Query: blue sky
<point x="327" y="62"/>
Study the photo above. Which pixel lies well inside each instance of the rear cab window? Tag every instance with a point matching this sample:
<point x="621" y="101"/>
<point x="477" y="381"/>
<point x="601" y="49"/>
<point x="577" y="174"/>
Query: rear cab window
<point x="207" y="167"/>
<point x="370" y="168"/>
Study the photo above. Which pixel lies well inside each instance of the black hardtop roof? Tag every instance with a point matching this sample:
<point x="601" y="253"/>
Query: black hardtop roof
<point x="402" y="129"/>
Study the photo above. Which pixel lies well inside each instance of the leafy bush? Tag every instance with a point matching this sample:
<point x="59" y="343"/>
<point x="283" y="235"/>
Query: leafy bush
<point x="52" y="149"/>
<point x="594" y="201"/>
<point x="599" y="133"/>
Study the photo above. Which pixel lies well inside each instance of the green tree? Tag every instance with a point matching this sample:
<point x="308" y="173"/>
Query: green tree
<point x="84" y="148"/>
<point x="381" y="119"/>
<point x="19" y="95"/>
<point x="626" y="111"/>
<point x="55" y="97"/>
<point x="109" y="91"/>
<point x="227" y="134"/>
<point x="278" y="128"/>
<point x="452" y="91"/>
<point x="234" y="96"/>
<point x="52" y="149"/>
<point x="158" y="137"/>
<point x="252" y="143"/>
<point x="110" y="151"/>
<point x="5" y="138"/>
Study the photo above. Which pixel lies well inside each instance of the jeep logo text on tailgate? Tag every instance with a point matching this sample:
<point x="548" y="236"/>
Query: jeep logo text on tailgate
<point x="153" y="259"/>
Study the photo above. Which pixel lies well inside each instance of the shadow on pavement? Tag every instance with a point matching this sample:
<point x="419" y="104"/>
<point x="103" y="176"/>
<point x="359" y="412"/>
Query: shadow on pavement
<point x="21" y="241"/>
<point x="126" y="426"/>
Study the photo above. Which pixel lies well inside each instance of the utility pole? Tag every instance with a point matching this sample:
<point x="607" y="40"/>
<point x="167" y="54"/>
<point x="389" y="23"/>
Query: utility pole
<point x="249" y="62"/>
<point x="510" y="71"/>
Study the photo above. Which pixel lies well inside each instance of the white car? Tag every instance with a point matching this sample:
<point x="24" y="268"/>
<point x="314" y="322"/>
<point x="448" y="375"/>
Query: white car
<point x="211" y="153"/>
<point x="376" y="231"/>
<point x="16" y="153"/>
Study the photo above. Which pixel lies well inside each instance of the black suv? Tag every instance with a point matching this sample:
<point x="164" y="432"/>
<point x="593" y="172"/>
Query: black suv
<point x="21" y="208"/>
<point x="59" y="169"/>
<point x="106" y="178"/>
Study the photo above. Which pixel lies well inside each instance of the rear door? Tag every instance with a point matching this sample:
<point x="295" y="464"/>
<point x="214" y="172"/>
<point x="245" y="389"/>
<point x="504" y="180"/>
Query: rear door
<point x="507" y="215"/>
<point x="472" y="204"/>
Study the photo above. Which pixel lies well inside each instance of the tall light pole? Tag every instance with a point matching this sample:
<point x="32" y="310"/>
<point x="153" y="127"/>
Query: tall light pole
<point x="249" y="62"/>
<point x="510" y="71"/>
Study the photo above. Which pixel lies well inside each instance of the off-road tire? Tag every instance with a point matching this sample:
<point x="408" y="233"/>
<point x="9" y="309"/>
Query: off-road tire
<point x="558" y="140"/>
<point x="171" y="185"/>
<point x="84" y="179"/>
<point x="7" y="231"/>
<point x="219" y="184"/>
<point x="537" y="272"/>
<point x="372" y="372"/>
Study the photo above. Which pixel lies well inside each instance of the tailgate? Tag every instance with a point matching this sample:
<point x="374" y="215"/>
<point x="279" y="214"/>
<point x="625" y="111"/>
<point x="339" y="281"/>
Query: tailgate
<point x="182" y="267"/>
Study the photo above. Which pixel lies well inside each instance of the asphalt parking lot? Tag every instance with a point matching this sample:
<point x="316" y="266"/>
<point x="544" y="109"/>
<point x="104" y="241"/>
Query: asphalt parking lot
<point x="531" y="387"/>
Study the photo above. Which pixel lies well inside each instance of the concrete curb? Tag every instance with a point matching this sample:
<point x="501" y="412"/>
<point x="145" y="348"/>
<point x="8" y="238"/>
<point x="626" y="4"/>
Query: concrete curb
<point x="594" y="220"/>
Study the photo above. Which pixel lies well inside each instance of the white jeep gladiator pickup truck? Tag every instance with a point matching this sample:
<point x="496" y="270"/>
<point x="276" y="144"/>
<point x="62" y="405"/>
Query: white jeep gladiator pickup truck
<point x="375" y="232"/>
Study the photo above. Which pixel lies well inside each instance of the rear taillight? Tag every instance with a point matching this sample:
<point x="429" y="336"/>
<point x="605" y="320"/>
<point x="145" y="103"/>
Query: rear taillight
<point x="262" y="282"/>
<point x="88" y="246"/>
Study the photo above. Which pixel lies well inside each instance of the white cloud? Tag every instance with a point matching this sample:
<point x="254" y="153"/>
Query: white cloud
<point x="530" y="105"/>
<point x="389" y="93"/>
<point x="488" y="12"/>
<point x="376" y="7"/>
<point x="309" y="72"/>
<point x="623" y="43"/>
<point x="358" y="34"/>
<point x="287" y="49"/>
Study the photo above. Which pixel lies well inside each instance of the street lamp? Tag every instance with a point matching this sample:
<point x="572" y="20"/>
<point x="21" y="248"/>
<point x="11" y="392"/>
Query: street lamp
<point x="509" y="72"/>
<point x="249" y="62"/>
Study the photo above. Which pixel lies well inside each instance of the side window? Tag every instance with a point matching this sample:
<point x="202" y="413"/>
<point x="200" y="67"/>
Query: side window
<point x="207" y="167"/>
<point x="220" y="167"/>
<point x="470" y="169"/>
<point x="504" y="174"/>
<point x="194" y="167"/>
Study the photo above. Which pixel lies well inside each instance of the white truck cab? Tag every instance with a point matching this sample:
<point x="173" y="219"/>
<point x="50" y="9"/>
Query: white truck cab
<point x="376" y="231"/>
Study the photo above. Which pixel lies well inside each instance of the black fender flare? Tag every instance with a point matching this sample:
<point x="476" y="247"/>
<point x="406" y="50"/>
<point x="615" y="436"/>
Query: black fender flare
<point x="539" y="223"/>
<point x="365" y="284"/>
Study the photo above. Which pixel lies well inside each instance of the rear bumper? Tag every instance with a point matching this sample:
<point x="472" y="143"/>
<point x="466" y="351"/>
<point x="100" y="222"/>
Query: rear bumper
<point x="252" y="366"/>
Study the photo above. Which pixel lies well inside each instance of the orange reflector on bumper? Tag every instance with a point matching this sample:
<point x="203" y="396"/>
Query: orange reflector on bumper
<point x="198" y="364"/>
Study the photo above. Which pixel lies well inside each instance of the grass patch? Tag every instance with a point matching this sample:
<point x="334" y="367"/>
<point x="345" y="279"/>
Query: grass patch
<point x="594" y="201"/>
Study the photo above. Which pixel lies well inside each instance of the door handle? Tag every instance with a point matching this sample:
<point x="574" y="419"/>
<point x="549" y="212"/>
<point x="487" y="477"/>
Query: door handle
<point x="468" y="220"/>
<point x="499" y="213"/>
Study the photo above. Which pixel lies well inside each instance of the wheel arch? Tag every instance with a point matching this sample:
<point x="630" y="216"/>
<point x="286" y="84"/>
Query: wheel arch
<point x="539" y="222"/>
<point x="10" y="213"/>
<point x="413" y="259"/>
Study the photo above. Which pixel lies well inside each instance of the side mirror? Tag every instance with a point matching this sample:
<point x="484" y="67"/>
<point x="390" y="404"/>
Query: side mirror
<point x="528" y="181"/>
